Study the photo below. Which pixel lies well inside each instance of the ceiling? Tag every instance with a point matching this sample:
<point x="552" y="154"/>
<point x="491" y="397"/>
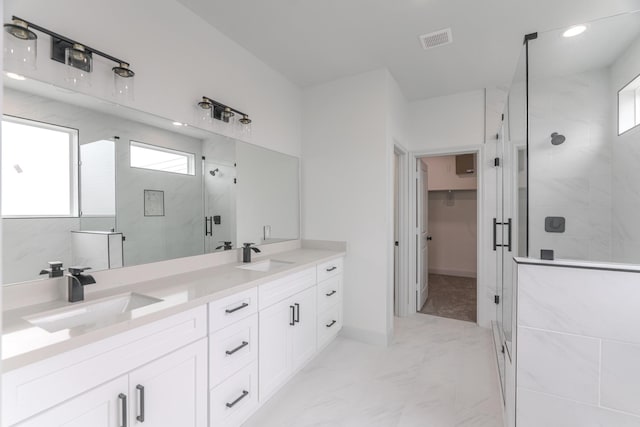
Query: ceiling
<point x="315" y="41"/>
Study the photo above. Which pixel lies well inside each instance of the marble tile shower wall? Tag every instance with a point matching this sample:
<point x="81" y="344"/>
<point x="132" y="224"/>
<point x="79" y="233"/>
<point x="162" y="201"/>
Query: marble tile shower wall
<point x="626" y="173"/>
<point x="572" y="180"/>
<point x="578" y="347"/>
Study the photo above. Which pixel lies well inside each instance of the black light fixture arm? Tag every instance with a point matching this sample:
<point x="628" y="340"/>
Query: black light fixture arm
<point x="220" y="106"/>
<point x="67" y="40"/>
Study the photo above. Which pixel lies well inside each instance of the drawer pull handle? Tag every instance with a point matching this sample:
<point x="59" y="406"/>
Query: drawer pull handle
<point x="293" y="316"/>
<point x="123" y="400"/>
<point x="240" y="307"/>
<point x="140" y="389"/>
<point x="331" y="293"/>
<point x="297" y="318"/>
<point x="240" y="347"/>
<point x="245" y="393"/>
<point x="333" y="322"/>
<point x="332" y="268"/>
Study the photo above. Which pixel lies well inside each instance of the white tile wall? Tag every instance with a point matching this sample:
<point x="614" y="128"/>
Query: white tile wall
<point x="578" y="347"/>
<point x="620" y="384"/>
<point x="560" y="364"/>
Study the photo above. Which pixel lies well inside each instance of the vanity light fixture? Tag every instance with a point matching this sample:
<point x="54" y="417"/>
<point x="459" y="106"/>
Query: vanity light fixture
<point x="575" y="30"/>
<point x="210" y="110"/>
<point x="77" y="56"/>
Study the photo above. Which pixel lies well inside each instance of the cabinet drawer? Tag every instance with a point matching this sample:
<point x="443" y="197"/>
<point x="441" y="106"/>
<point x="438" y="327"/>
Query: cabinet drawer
<point x="329" y="324"/>
<point x="232" y="348"/>
<point x="329" y="269"/>
<point x="273" y="292"/>
<point x="329" y="292"/>
<point x="34" y="388"/>
<point x="233" y="401"/>
<point x="232" y="308"/>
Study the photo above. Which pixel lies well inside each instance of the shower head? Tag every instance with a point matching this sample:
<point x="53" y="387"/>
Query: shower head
<point x="557" y="139"/>
<point x="213" y="172"/>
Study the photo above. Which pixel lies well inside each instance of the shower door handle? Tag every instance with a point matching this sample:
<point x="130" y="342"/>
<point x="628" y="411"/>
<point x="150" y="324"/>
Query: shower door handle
<point x="495" y="234"/>
<point x="509" y="224"/>
<point x="208" y="226"/>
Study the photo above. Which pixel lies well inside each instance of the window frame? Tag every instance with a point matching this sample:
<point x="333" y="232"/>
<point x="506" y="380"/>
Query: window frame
<point x="74" y="165"/>
<point x="636" y="106"/>
<point x="191" y="157"/>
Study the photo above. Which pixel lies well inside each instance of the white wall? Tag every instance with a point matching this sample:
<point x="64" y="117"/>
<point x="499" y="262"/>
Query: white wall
<point x="453" y="227"/>
<point x="346" y="177"/>
<point x="177" y="58"/>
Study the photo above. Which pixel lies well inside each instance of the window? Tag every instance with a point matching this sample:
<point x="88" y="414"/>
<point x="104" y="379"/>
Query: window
<point x="152" y="157"/>
<point x="39" y="169"/>
<point x="629" y="106"/>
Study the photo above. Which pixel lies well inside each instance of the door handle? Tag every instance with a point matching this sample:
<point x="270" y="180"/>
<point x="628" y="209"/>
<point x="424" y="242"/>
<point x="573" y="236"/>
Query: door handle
<point x="140" y="389"/>
<point x="429" y="238"/>
<point x="292" y="322"/>
<point x="333" y="322"/>
<point x="332" y="268"/>
<point x="509" y="223"/>
<point x="123" y="400"/>
<point x="297" y="318"/>
<point x="331" y="293"/>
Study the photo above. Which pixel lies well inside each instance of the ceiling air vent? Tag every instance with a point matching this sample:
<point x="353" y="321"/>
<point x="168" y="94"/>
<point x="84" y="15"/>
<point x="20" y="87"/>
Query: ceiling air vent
<point x="437" y="38"/>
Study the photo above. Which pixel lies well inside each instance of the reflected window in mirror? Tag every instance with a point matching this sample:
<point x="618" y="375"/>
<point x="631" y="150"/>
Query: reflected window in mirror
<point x="629" y="106"/>
<point x="39" y="169"/>
<point x="147" y="156"/>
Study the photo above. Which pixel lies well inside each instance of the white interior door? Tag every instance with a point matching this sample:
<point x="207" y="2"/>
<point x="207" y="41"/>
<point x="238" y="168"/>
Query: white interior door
<point x="422" y="193"/>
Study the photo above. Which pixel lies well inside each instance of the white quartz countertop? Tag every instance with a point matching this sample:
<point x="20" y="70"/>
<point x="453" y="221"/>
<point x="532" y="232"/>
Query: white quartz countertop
<point x="23" y="343"/>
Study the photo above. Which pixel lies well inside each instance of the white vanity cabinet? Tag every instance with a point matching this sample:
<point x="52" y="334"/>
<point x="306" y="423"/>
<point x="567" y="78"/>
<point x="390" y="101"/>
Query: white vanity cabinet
<point x="233" y="358"/>
<point x="97" y="385"/>
<point x="287" y="328"/>
<point x="329" y="300"/>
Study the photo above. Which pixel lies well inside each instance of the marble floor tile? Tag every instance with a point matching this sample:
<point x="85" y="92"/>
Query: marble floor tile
<point x="437" y="372"/>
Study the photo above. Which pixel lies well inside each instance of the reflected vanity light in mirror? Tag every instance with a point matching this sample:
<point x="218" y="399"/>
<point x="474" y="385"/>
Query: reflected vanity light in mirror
<point x="575" y="30"/>
<point x="15" y="76"/>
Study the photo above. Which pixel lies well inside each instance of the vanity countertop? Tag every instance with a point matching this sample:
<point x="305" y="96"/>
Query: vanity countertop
<point x="23" y="343"/>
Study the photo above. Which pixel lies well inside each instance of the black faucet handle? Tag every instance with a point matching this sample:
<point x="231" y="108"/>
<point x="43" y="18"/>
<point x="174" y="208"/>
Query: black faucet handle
<point x="248" y="245"/>
<point x="77" y="270"/>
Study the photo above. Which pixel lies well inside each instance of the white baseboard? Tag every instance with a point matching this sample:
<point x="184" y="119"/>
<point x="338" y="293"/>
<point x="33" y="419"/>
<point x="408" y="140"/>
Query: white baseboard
<point x="365" y="336"/>
<point x="458" y="273"/>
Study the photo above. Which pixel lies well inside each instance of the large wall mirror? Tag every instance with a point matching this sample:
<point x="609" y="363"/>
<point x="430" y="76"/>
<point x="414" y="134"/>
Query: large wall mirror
<point x="91" y="183"/>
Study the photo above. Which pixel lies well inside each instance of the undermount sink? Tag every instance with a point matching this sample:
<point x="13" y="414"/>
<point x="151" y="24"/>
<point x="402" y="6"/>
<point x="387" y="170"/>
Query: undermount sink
<point x="264" y="266"/>
<point x="90" y="314"/>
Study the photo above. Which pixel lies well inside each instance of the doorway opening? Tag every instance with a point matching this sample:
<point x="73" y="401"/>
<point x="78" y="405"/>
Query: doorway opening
<point x="447" y="236"/>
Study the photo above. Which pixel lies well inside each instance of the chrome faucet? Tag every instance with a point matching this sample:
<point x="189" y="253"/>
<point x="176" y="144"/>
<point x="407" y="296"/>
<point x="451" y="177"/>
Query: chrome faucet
<point x="246" y="251"/>
<point x="76" y="281"/>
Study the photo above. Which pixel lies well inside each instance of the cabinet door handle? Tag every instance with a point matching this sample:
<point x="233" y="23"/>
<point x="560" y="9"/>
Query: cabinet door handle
<point x="333" y="322"/>
<point x="331" y="293"/>
<point x="293" y="316"/>
<point x="240" y="307"/>
<point x="123" y="401"/>
<point x="245" y="393"/>
<point x="140" y="389"/>
<point x="495" y="234"/>
<point x="332" y="268"/>
<point x="240" y="347"/>
<point x="297" y="318"/>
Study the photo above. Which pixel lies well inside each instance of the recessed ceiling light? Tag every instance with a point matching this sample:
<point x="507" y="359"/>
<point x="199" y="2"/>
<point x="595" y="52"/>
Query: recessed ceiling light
<point x="574" y="31"/>
<point x="16" y="76"/>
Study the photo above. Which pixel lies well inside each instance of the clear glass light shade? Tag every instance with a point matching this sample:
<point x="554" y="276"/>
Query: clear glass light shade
<point x="79" y="65"/>
<point x="204" y="115"/>
<point x="123" y="87"/>
<point x="19" y="54"/>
